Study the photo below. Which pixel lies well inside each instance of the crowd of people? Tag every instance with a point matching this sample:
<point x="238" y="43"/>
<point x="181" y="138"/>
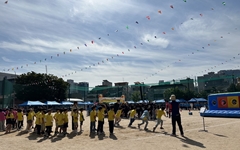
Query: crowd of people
<point x="44" y="119"/>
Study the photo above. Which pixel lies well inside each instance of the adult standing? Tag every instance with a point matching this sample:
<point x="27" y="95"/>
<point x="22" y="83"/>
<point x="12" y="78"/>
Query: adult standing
<point x="116" y="106"/>
<point x="75" y="106"/>
<point x="176" y="117"/>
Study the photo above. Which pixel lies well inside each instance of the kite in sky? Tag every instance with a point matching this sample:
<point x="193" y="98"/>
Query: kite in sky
<point x="136" y="22"/>
<point x="159" y="11"/>
<point x="185" y="0"/>
<point x="92" y="42"/>
<point x="6" y="2"/>
<point x="224" y="3"/>
<point x="148" y="17"/>
<point x="171" y="6"/>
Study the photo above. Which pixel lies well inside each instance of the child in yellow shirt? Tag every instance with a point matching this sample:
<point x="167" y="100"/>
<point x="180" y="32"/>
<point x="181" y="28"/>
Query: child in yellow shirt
<point x="81" y="117"/>
<point x="118" y="116"/>
<point x="65" y="120"/>
<point x="132" y="116"/>
<point x="60" y="120"/>
<point x="75" y="119"/>
<point x="48" y="122"/>
<point x="56" y="120"/>
<point x="19" y="119"/>
<point x="159" y="114"/>
<point x="93" y="119"/>
<point x="111" y="116"/>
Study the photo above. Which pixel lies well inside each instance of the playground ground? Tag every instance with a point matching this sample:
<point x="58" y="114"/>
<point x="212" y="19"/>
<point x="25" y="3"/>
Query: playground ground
<point x="222" y="134"/>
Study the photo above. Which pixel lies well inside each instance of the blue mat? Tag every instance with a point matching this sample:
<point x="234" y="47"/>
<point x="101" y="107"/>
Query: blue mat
<point x="221" y="113"/>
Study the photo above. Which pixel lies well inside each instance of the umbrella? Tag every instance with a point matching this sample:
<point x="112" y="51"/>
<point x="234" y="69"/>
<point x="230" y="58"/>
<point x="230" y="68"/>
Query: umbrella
<point x="52" y="103"/>
<point x="32" y="103"/>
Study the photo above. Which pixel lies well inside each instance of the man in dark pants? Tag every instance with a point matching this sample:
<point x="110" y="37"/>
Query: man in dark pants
<point x="176" y="117"/>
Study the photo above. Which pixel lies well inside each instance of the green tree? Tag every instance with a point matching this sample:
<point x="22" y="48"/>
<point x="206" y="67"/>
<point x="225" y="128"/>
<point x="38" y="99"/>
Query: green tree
<point x="232" y="88"/>
<point x="176" y="91"/>
<point x="36" y="86"/>
<point x="135" y="96"/>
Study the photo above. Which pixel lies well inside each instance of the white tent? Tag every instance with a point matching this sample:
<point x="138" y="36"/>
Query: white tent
<point x="74" y="100"/>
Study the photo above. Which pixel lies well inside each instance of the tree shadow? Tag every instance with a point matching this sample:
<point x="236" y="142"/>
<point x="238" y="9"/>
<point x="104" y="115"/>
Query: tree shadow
<point x="191" y="142"/>
<point x="112" y="136"/>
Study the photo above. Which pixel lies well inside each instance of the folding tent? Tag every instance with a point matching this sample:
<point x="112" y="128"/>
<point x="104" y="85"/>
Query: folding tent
<point x="159" y="101"/>
<point x="52" y="103"/>
<point x="32" y="103"/>
<point x="201" y="100"/>
<point x="130" y="102"/>
<point x="193" y="100"/>
<point x="66" y="103"/>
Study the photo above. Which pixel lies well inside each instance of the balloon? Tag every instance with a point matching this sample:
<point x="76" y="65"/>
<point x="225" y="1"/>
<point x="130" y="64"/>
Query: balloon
<point x="221" y="36"/>
<point x="159" y="11"/>
<point x="201" y="15"/>
<point x="92" y="42"/>
<point x="129" y="50"/>
<point x="122" y="52"/>
<point x="108" y="34"/>
<point x="171" y="6"/>
<point x="212" y="9"/>
<point x="141" y="43"/>
<point x="77" y="47"/>
<point x="164" y="32"/>
<point x="172" y="28"/>
<point x="155" y="37"/>
<point x="6" y="2"/>
<point x="127" y="27"/>
<point x="148" y="40"/>
<point x="191" y="18"/>
<point x="224" y="3"/>
<point x="45" y="59"/>
<point x="70" y="50"/>
<point x="99" y="38"/>
<point x="136" y="22"/>
<point x="57" y="54"/>
<point x="63" y="52"/>
<point x="148" y="17"/>
<point x="202" y="47"/>
<point x="135" y="47"/>
<point x="208" y="44"/>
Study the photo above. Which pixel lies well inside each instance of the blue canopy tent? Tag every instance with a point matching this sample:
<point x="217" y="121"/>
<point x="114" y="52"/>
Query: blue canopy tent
<point x="88" y="103"/>
<point x="159" y="101"/>
<point x="66" y="103"/>
<point x="143" y="101"/>
<point x="201" y="100"/>
<point x="130" y="102"/>
<point x="182" y="101"/>
<point x="193" y="100"/>
<point x="52" y="103"/>
<point x="81" y="103"/>
<point x="32" y="103"/>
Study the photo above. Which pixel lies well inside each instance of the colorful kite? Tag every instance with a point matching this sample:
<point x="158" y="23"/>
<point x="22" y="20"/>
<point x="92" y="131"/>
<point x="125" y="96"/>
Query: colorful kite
<point x="6" y="2"/>
<point x="185" y="0"/>
<point x="155" y="37"/>
<point x="171" y="6"/>
<point x="92" y="42"/>
<point x="136" y="22"/>
<point x="85" y="45"/>
<point x="127" y="27"/>
<point x="164" y="32"/>
<point x="159" y="11"/>
<point x="224" y="3"/>
<point x="148" y="17"/>
<point x="201" y="15"/>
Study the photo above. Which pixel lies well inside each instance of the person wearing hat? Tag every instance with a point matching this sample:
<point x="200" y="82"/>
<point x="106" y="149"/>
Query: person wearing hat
<point x="176" y="117"/>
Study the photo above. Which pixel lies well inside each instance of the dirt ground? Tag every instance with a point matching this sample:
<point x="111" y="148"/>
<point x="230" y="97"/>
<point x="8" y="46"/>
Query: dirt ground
<point x="222" y="134"/>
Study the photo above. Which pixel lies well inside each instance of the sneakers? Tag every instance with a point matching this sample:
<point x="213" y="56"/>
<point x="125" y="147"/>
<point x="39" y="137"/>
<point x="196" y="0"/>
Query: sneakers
<point x="182" y="135"/>
<point x="161" y="128"/>
<point x="174" y="135"/>
<point x="145" y="128"/>
<point x="154" y="128"/>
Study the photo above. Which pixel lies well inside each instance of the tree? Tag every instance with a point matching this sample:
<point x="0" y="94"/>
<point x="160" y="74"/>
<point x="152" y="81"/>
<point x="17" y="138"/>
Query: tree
<point x="176" y="91"/>
<point x="36" y="86"/>
<point x="136" y="96"/>
<point x="232" y="88"/>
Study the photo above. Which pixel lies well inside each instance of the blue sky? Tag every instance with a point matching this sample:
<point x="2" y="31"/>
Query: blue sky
<point x="31" y="31"/>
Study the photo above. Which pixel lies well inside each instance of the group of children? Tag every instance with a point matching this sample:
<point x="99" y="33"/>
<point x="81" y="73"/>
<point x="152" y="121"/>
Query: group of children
<point x="44" y="119"/>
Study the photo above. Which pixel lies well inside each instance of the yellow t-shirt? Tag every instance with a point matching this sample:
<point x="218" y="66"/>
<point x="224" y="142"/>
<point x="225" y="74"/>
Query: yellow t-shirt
<point x="118" y="114"/>
<point x="49" y="120"/>
<point x="11" y="116"/>
<point x="20" y="116"/>
<point x="65" y="116"/>
<point x="93" y="116"/>
<point x="30" y="115"/>
<point x="160" y="113"/>
<point x="132" y="113"/>
<point x="39" y="118"/>
<point x="75" y="117"/>
<point x="111" y="115"/>
<point x="56" y="115"/>
<point x="60" y="119"/>
<point x="100" y="115"/>
<point x="81" y="116"/>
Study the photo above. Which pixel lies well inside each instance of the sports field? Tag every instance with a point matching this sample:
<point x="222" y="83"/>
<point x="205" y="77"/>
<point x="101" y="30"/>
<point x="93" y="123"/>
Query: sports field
<point x="222" y="134"/>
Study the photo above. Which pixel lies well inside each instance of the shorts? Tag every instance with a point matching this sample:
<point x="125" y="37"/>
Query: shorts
<point x="30" y="121"/>
<point x="81" y="123"/>
<point x="65" y="125"/>
<point x="60" y="126"/>
<point x="9" y="121"/>
<point x="159" y="121"/>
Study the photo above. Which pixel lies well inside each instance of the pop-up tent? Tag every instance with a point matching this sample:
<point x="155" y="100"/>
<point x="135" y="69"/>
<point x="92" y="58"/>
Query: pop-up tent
<point x="51" y="103"/>
<point x="159" y="101"/>
<point x="66" y="103"/>
<point x="32" y="103"/>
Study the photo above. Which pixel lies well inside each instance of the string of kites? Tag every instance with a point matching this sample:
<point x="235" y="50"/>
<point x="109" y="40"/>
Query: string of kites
<point x="107" y="59"/>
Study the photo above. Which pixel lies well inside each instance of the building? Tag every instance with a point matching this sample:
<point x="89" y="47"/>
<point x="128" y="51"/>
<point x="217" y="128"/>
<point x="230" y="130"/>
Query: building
<point x="84" y="88"/>
<point x="217" y="82"/>
<point x="106" y="83"/>
<point x="7" y="75"/>
<point x="122" y="89"/>
<point x="188" y="83"/>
